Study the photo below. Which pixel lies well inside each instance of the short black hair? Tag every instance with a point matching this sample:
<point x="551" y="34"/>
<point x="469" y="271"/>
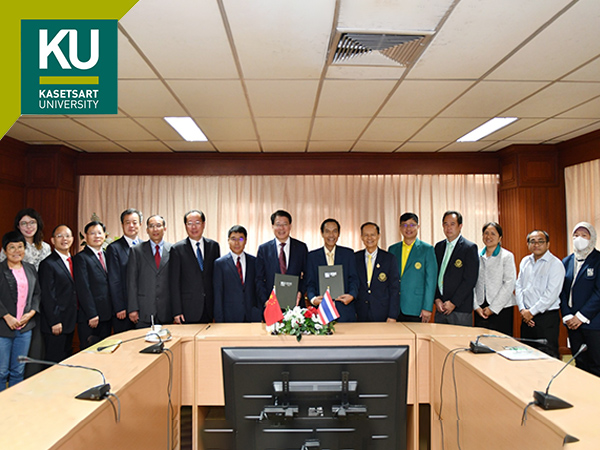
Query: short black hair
<point x="58" y="226"/>
<point x="539" y="231"/>
<point x="280" y="213"/>
<point x="455" y="213"/>
<point x="332" y="221"/>
<point x="38" y="237"/>
<point x="496" y="225"/>
<point x="156" y="215"/>
<point x="366" y="224"/>
<point x="93" y="223"/>
<point x="408" y="216"/>
<point x="13" y="236"/>
<point x="131" y="211"/>
<point x="237" y="229"/>
<point x="197" y="211"/>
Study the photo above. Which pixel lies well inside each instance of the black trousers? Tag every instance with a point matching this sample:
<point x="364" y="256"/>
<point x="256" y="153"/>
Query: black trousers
<point x="546" y="327"/>
<point x="502" y="322"/>
<point x="89" y="336"/>
<point x="405" y="318"/>
<point x="58" y="347"/>
<point x="589" y="360"/>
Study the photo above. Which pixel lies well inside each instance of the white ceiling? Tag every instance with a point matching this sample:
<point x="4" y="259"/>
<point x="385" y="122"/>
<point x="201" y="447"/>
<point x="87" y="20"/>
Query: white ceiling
<point x="257" y="76"/>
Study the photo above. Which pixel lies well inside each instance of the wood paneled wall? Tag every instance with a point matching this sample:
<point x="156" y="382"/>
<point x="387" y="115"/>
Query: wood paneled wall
<point x="13" y="180"/>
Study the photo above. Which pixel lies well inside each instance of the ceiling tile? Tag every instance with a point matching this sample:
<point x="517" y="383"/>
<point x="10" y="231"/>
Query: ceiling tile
<point x="478" y="34"/>
<point x="27" y="134"/>
<point x="237" y="146"/>
<point x="282" y="98"/>
<point x="590" y="110"/>
<point x="448" y="130"/>
<point x="284" y="146"/>
<point x="148" y="98"/>
<point x="550" y="129"/>
<point x="283" y="129"/>
<point x="465" y="146"/>
<point x="351" y="98"/>
<point x="233" y="129"/>
<point x="330" y="146"/>
<point x="364" y="73"/>
<point x="144" y="146"/>
<point x="159" y="128"/>
<point x="117" y="129"/>
<point x="593" y="127"/>
<point x="570" y="35"/>
<point x="423" y="98"/>
<point x="185" y="146"/>
<point x="131" y="64"/>
<point x="98" y="146"/>
<point x="589" y="72"/>
<point x="329" y="129"/>
<point x="181" y="38"/>
<point x="490" y="98"/>
<point x="211" y="98"/>
<point x="555" y="99"/>
<point x="276" y="39"/>
<point x="60" y="128"/>
<point x="393" y="129"/>
<point x="376" y="146"/>
<point x="419" y="147"/>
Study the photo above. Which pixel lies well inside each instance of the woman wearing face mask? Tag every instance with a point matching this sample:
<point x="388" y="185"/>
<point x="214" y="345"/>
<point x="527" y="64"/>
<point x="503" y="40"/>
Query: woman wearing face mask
<point x="494" y="292"/>
<point x="580" y="297"/>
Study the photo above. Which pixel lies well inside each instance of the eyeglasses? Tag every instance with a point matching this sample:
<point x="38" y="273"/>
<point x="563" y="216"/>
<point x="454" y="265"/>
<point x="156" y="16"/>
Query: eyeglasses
<point x="31" y="223"/>
<point x="281" y="225"/>
<point x="156" y="225"/>
<point x="197" y="222"/>
<point x="537" y="242"/>
<point x="409" y="225"/>
<point x="237" y="239"/>
<point x="60" y="236"/>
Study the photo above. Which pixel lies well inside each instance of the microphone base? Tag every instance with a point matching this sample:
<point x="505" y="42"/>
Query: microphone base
<point x="95" y="393"/>
<point x="154" y="348"/>
<point x="549" y="402"/>
<point x="476" y="347"/>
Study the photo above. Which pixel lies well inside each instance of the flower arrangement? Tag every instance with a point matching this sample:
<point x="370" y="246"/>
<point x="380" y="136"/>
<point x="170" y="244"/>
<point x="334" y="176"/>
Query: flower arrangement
<point x="300" y="321"/>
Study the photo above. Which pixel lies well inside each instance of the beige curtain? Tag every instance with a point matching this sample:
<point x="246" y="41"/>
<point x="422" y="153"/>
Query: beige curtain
<point x="250" y="200"/>
<point x="582" y="186"/>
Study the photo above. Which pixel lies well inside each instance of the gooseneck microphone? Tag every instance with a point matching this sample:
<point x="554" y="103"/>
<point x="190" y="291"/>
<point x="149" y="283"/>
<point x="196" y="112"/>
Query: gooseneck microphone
<point x="476" y="347"/>
<point x="94" y="393"/>
<point x="548" y="401"/>
<point x="154" y="348"/>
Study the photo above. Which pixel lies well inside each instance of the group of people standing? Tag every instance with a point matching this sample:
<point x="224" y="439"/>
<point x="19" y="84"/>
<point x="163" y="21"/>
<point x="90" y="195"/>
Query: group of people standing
<point x="133" y="283"/>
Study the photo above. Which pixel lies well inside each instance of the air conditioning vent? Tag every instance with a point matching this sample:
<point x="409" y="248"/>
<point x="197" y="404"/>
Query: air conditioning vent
<point x="398" y="49"/>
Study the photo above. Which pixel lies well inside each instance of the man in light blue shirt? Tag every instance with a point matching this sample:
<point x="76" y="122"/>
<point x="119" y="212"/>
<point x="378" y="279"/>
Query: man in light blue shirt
<point x="538" y="287"/>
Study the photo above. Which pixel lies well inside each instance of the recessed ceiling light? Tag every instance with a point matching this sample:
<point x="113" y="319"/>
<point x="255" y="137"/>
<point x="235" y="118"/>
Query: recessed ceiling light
<point x="487" y="128"/>
<point x="187" y="128"/>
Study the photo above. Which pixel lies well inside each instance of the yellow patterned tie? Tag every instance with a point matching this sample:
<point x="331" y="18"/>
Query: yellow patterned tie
<point x="369" y="269"/>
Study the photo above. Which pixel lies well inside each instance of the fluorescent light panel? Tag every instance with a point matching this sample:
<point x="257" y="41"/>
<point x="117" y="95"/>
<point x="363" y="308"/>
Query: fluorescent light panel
<point x="487" y="128"/>
<point x="187" y="128"/>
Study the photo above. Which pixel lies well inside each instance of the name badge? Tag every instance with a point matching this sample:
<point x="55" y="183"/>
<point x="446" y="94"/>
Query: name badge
<point x="590" y="272"/>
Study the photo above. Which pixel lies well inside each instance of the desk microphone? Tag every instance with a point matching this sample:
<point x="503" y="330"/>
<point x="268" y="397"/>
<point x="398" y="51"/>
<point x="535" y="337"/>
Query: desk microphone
<point x="154" y="348"/>
<point x="476" y="347"/>
<point x="94" y="393"/>
<point x="548" y="401"/>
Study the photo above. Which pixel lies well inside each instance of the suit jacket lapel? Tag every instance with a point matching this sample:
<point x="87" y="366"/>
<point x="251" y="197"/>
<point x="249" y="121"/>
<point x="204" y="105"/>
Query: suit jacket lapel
<point x="94" y="256"/>
<point x="59" y="262"/>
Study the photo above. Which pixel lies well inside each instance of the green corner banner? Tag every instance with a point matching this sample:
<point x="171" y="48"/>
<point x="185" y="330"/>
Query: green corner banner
<point x="10" y="33"/>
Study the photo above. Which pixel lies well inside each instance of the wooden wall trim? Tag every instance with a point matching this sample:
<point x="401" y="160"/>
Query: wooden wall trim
<point x="579" y="150"/>
<point x="286" y="164"/>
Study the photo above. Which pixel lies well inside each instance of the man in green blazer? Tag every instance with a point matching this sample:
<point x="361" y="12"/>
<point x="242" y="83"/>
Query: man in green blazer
<point x="418" y="272"/>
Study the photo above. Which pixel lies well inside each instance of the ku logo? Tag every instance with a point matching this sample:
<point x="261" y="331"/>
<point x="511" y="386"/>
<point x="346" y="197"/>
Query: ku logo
<point x="53" y="47"/>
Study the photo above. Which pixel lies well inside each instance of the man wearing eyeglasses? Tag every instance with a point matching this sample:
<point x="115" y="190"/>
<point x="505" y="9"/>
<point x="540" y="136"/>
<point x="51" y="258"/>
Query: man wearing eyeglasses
<point x="191" y="264"/>
<point x="148" y="277"/>
<point x="234" y="282"/>
<point x="417" y="271"/>
<point x="540" y="280"/>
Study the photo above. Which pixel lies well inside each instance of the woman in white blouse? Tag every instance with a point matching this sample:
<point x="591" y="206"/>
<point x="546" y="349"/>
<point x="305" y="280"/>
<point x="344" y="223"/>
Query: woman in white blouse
<point x="494" y="293"/>
<point x="30" y="224"/>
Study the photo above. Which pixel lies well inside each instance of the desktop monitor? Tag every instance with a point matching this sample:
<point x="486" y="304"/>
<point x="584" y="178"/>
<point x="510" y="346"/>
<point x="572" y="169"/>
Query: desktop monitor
<point x="303" y="398"/>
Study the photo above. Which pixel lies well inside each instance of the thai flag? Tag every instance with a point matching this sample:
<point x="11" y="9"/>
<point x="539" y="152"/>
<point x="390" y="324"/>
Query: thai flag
<point x="327" y="309"/>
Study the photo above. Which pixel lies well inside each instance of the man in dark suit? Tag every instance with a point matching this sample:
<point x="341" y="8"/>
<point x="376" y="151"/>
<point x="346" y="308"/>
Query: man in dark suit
<point x="234" y="282"/>
<point x="91" y="283"/>
<point x="117" y="255"/>
<point x="148" y="288"/>
<point x="328" y="255"/>
<point x="284" y="255"/>
<point x="458" y="264"/>
<point x="59" y="298"/>
<point x="418" y="272"/>
<point x="378" y="280"/>
<point x="191" y="268"/>
<point x="580" y="297"/>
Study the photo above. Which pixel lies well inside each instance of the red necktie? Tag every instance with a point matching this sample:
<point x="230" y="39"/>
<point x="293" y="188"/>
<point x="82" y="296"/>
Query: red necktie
<point x="157" y="256"/>
<point x="101" y="257"/>
<point x="239" y="268"/>
<point x="70" y="265"/>
<point x="282" y="264"/>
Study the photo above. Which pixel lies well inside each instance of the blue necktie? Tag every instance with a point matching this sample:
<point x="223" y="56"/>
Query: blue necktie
<point x="199" y="256"/>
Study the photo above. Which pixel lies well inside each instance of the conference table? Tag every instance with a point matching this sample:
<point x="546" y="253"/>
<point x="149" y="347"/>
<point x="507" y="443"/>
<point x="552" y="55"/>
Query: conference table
<point x="478" y="403"/>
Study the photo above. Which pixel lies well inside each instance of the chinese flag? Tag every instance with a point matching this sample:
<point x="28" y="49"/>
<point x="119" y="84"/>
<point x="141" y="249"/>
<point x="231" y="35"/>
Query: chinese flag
<point x="273" y="311"/>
